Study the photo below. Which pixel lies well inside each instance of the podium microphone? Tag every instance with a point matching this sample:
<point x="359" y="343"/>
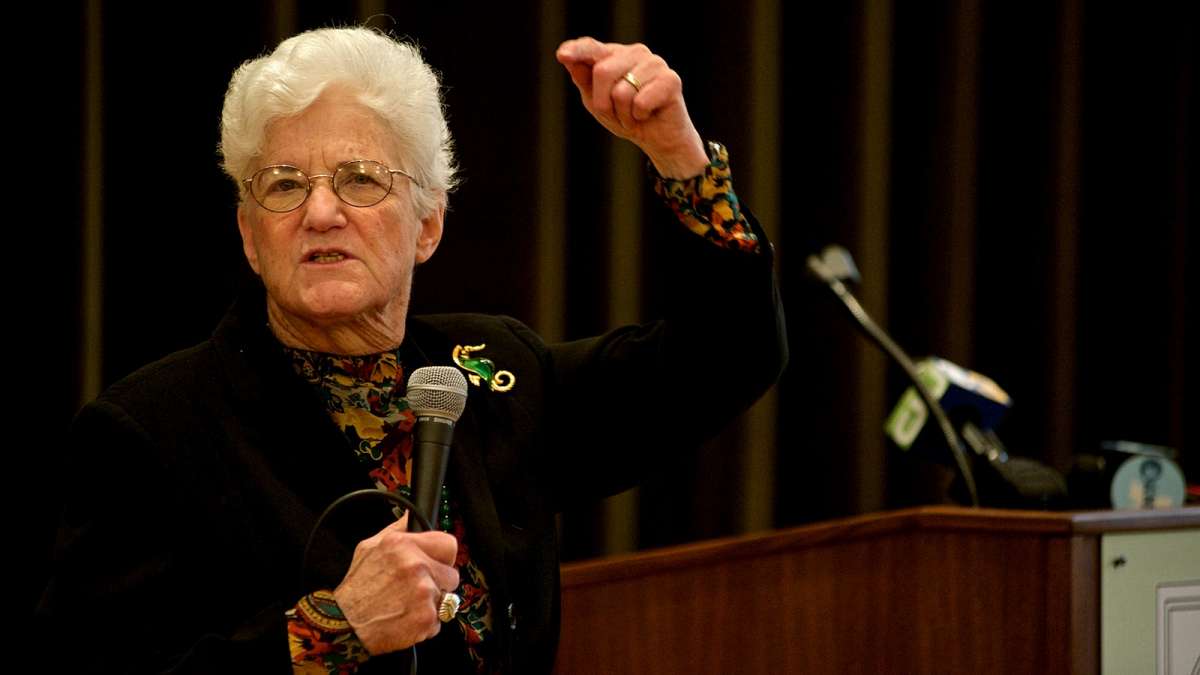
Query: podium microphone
<point x="832" y="267"/>
<point x="437" y="396"/>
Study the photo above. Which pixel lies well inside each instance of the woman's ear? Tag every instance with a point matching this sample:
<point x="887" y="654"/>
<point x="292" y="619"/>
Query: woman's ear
<point x="431" y="233"/>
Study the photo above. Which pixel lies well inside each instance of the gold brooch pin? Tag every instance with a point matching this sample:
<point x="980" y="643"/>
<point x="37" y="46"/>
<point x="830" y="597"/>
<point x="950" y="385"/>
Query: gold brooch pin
<point x="480" y="369"/>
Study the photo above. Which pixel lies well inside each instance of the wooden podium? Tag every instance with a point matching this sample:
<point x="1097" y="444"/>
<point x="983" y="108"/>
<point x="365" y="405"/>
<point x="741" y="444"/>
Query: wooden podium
<point x="925" y="590"/>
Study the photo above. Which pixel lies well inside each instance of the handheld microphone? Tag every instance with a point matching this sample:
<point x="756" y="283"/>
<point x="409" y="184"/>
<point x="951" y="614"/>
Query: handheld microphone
<point x="437" y="396"/>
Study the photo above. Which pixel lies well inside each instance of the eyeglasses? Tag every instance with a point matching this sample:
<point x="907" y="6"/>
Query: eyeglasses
<point x="359" y="182"/>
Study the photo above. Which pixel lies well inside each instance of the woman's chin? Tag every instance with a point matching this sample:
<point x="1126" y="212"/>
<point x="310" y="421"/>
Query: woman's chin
<point x="333" y="307"/>
<point x="334" y="312"/>
<point x="335" y="303"/>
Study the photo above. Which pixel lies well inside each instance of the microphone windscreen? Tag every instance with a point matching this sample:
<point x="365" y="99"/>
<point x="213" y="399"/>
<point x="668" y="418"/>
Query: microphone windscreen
<point x="440" y="391"/>
<point x="839" y="264"/>
<point x="964" y="394"/>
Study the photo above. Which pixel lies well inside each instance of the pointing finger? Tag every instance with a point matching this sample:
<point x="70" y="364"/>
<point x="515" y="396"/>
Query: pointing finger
<point x="585" y="50"/>
<point x="581" y="75"/>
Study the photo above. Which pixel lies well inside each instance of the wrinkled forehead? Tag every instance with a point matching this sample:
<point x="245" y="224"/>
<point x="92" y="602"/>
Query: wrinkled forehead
<point x="334" y="129"/>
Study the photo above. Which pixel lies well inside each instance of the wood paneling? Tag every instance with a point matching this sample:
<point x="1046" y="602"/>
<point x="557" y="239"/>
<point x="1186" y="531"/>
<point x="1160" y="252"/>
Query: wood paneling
<point x="933" y="590"/>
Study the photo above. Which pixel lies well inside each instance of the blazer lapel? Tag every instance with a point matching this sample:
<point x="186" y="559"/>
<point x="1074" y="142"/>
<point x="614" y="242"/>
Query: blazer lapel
<point x="469" y="475"/>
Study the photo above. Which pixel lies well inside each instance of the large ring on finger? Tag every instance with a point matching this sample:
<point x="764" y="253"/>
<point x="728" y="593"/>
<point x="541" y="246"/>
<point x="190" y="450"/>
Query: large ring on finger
<point x="448" y="606"/>
<point x="632" y="80"/>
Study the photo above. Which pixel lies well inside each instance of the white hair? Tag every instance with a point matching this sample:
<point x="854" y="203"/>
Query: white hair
<point x="387" y="76"/>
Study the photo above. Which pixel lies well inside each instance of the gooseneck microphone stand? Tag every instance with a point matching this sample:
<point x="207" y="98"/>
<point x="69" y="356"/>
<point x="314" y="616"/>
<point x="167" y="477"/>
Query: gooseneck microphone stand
<point x="834" y="265"/>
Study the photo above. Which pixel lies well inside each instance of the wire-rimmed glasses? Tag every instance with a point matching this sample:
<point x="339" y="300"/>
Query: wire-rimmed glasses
<point x="358" y="182"/>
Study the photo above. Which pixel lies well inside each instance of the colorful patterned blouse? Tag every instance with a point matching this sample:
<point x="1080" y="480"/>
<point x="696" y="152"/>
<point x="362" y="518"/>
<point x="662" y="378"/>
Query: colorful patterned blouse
<point x="365" y="398"/>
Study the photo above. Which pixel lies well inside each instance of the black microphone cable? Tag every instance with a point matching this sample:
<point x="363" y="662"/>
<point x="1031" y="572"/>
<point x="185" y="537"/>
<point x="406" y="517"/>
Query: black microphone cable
<point x="358" y="495"/>
<point x="437" y="396"/>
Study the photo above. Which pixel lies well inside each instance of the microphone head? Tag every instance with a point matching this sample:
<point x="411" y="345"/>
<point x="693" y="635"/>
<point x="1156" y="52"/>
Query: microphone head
<point x="834" y="263"/>
<point x="438" y="391"/>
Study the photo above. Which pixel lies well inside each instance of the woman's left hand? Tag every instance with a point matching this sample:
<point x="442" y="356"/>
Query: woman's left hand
<point x="652" y="115"/>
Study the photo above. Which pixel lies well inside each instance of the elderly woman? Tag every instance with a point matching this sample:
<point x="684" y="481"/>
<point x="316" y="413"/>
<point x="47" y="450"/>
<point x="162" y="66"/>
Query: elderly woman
<point x="182" y="544"/>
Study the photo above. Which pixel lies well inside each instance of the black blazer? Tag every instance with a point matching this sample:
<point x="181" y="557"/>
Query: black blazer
<point x="195" y="481"/>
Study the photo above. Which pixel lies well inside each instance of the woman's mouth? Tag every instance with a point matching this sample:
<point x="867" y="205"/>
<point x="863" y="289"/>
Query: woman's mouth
<point x="326" y="257"/>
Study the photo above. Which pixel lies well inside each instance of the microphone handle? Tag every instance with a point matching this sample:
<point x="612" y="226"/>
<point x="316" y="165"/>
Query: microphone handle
<point x="431" y="453"/>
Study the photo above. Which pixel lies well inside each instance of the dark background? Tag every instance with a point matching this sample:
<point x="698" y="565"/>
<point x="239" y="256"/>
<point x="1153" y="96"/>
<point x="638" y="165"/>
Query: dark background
<point x="1014" y="179"/>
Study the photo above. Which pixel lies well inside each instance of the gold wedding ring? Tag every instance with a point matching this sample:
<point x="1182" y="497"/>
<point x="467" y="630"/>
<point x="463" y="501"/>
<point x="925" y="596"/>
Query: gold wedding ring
<point x="448" y="607"/>
<point x="632" y="80"/>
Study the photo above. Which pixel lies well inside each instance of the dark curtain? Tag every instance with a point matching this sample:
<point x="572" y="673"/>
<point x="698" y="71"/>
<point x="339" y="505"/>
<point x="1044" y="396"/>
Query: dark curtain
<point x="1014" y="177"/>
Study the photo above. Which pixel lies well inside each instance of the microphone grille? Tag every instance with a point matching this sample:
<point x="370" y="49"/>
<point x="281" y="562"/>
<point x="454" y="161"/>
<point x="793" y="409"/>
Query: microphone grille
<point x="440" y="391"/>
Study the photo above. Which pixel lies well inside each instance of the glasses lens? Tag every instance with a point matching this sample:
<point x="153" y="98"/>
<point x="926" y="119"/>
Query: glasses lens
<point x="280" y="188"/>
<point x="362" y="183"/>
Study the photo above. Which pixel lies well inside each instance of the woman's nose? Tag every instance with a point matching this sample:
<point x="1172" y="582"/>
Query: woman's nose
<point x="323" y="209"/>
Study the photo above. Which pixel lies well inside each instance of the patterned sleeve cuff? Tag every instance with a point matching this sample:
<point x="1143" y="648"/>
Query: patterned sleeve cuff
<point x="320" y="639"/>
<point x="707" y="205"/>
